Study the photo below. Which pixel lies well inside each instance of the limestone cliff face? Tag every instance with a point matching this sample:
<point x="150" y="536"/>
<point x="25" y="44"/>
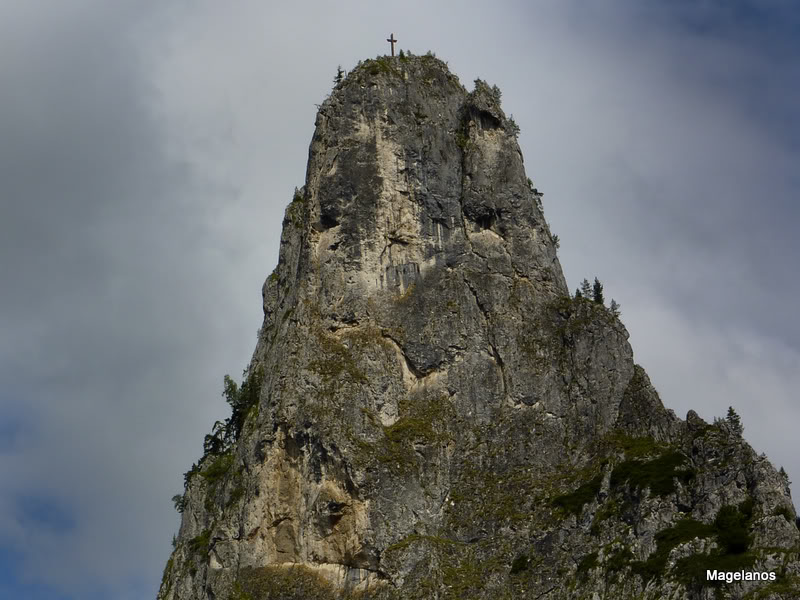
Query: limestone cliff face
<point x="428" y="414"/>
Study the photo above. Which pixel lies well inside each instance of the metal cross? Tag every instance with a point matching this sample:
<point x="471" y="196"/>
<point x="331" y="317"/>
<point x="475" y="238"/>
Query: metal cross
<point x="392" y="41"/>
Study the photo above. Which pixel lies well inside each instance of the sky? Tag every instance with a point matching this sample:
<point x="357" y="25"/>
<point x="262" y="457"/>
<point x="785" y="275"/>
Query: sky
<point x="148" y="149"/>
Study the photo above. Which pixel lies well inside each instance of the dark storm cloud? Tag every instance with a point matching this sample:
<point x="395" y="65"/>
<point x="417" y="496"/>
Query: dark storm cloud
<point x="147" y="151"/>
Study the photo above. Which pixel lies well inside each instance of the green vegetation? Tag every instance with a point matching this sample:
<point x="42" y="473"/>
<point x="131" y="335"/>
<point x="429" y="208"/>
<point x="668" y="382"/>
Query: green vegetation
<point x="586" y="288"/>
<point x="336" y="361"/>
<point x="692" y="569"/>
<point x="236" y="494"/>
<point x="606" y="511"/>
<point x="199" y="545"/>
<point x="683" y="531"/>
<point x="732" y="525"/>
<point x="217" y="469"/>
<point x="215" y="464"/>
<point x="467" y="576"/>
<point x="378" y="66"/>
<point x="281" y="583"/>
<point x="165" y="577"/>
<point x="423" y="422"/>
<point x="179" y="501"/>
<point x="586" y="564"/>
<point x="242" y="401"/>
<point x="658" y="474"/>
<point x="785" y="512"/>
<point x="296" y="209"/>
<point x="462" y="140"/>
<point x="734" y="421"/>
<point x="731" y="530"/>
<point x="634" y="447"/>
<point x="597" y="292"/>
<point x="574" y="502"/>
<point x="520" y="564"/>
<point x="787" y="586"/>
<point x="618" y="560"/>
<point x="414" y="538"/>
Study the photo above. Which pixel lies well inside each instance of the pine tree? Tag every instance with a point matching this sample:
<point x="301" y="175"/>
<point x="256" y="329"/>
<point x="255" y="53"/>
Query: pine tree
<point x="597" y="291"/>
<point x="785" y="476"/>
<point x="586" y="288"/>
<point x="614" y="308"/>
<point x="734" y="421"/>
<point x="578" y="293"/>
<point x="339" y="75"/>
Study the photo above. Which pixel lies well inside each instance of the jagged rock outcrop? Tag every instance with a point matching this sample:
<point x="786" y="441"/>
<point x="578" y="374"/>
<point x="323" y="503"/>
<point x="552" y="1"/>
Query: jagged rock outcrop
<point x="429" y="414"/>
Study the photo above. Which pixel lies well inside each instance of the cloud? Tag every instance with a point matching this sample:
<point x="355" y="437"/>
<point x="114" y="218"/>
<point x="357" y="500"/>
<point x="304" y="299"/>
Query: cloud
<point x="115" y="305"/>
<point x="147" y="150"/>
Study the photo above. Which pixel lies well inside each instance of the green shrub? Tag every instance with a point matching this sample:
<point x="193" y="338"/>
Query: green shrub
<point x="619" y="560"/>
<point x="635" y="447"/>
<point x="574" y="502"/>
<point x="586" y="564"/>
<point x="199" y="545"/>
<point x="606" y="511"/>
<point x="179" y="501"/>
<point x="658" y="474"/>
<point x="784" y="512"/>
<point x="218" y="468"/>
<point x="731" y="525"/>
<point x="692" y="569"/>
<point x="683" y="531"/>
<point x="730" y="528"/>
<point x="520" y="564"/>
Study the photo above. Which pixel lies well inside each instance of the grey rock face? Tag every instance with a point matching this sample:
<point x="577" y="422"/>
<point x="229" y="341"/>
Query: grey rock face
<point x="428" y="414"/>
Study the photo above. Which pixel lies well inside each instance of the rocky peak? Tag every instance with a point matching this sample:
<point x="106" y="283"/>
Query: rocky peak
<point x="429" y="414"/>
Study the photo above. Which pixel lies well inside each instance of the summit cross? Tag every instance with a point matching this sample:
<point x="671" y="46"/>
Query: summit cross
<point x="392" y="41"/>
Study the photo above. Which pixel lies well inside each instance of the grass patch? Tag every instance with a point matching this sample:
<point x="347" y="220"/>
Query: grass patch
<point x="336" y="360"/>
<point x="436" y="541"/>
<point x="424" y="422"/>
<point x="469" y="577"/>
<point x="281" y="583"/>
<point x="635" y="447"/>
<point x="379" y="66"/>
